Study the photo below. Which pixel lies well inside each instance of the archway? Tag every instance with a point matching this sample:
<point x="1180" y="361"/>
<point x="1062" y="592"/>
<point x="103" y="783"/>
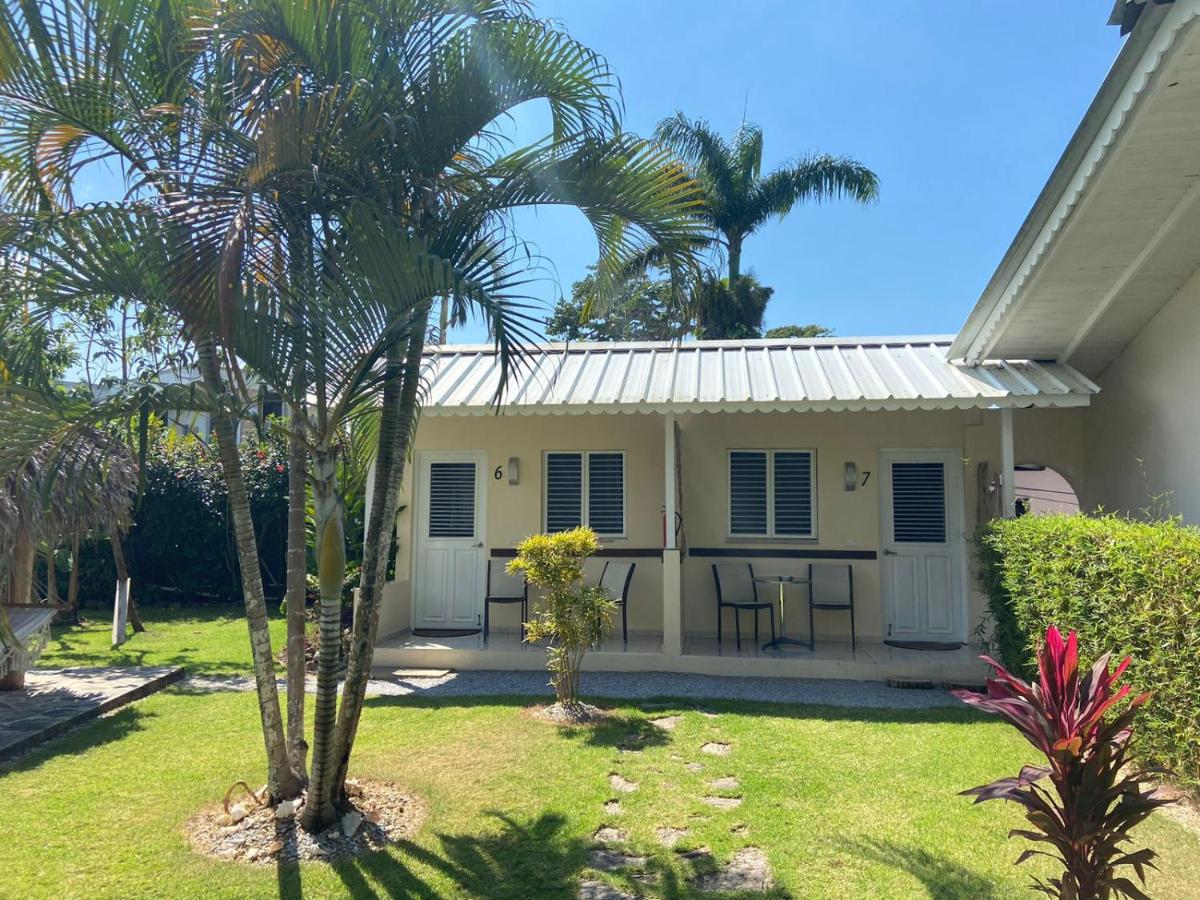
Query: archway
<point x="1041" y="490"/>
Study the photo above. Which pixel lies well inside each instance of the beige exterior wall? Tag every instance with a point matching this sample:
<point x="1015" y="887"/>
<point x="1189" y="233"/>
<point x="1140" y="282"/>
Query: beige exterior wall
<point x="845" y="520"/>
<point x="1143" y="427"/>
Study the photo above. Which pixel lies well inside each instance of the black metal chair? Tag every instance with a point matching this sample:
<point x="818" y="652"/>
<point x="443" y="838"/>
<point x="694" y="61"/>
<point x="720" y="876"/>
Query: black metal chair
<point x="615" y="578"/>
<point x="737" y="590"/>
<point x="504" y="589"/>
<point x="831" y="587"/>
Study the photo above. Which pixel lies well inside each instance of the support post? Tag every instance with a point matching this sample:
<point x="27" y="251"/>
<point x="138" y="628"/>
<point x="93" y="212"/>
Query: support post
<point x="1008" y="487"/>
<point x="672" y="599"/>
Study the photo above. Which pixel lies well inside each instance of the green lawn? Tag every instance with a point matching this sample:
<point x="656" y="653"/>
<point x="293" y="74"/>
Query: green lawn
<point x="207" y="640"/>
<point x="845" y="803"/>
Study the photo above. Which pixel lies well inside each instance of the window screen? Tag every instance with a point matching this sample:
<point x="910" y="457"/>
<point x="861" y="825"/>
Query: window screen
<point x="606" y="492"/>
<point x="919" y="502"/>
<point x="451" y="499"/>
<point x="564" y="491"/>
<point x="793" y="493"/>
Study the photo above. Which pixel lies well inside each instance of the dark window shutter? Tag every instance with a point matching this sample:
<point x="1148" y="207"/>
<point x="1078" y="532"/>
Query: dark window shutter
<point x="564" y="491"/>
<point x="452" y="499"/>
<point x="793" y="490"/>
<point x="919" y="502"/>
<point x="606" y="492"/>
<point x="748" y="492"/>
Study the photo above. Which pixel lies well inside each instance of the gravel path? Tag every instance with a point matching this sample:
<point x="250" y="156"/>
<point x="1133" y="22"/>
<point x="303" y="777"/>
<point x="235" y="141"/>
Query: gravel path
<point x="638" y="686"/>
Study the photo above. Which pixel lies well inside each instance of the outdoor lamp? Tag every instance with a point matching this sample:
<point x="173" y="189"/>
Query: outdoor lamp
<point x="851" y="476"/>
<point x="514" y="470"/>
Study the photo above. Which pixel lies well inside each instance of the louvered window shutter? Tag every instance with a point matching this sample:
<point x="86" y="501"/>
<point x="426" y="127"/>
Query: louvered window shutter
<point x="452" y="499"/>
<point x="793" y="493"/>
<point x="564" y="491"/>
<point x="606" y="492"/>
<point x="919" y="502"/>
<point x="748" y="492"/>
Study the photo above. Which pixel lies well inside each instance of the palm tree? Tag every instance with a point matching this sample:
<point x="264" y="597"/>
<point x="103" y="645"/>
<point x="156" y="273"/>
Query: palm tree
<point x="738" y="198"/>
<point x="333" y="174"/>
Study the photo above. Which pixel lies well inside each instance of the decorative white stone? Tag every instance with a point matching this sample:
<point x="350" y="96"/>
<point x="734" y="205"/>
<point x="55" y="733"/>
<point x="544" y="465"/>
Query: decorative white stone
<point x="350" y="823"/>
<point x="286" y="809"/>
<point x="237" y="812"/>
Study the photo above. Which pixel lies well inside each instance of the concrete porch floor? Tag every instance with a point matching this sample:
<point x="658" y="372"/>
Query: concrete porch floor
<point x="871" y="661"/>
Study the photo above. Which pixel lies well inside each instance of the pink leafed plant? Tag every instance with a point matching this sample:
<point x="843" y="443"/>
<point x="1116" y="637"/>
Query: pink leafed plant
<point x="1094" y="796"/>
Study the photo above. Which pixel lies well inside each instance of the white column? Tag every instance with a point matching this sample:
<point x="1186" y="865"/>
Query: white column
<point x="672" y="599"/>
<point x="1008" y="487"/>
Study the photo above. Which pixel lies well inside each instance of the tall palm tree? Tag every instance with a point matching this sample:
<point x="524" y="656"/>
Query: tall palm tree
<point x="335" y="171"/>
<point x="738" y="198"/>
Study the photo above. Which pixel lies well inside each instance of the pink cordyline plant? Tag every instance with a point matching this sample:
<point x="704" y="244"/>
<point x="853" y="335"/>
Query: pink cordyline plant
<point x="1094" y="795"/>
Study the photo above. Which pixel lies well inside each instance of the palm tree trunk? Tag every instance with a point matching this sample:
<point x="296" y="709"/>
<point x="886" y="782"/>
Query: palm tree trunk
<point x="51" y="571"/>
<point x="735" y="259"/>
<point x="319" y="809"/>
<point x="297" y="541"/>
<point x="72" y="611"/>
<point x="282" y="780"/>
<point x="118" y="552"/>
<point x="397" y="418"/>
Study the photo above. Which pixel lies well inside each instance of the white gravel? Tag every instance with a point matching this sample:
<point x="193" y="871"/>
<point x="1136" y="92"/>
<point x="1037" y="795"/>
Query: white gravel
<point x="634" y="686"/>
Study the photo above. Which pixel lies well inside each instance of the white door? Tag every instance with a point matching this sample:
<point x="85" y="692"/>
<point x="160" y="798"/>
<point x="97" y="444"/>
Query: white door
<point x="449" y="546"/>
<point x="923" y="566"/>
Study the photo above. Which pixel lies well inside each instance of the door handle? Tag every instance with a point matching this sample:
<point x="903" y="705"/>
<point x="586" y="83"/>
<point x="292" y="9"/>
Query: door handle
<point x="889" y="552"/>
<point x="479" y="545"/>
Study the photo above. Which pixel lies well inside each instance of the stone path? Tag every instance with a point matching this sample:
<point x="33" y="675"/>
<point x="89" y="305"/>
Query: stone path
<point x="748" y="871"/>
<point x="56" y="700"/>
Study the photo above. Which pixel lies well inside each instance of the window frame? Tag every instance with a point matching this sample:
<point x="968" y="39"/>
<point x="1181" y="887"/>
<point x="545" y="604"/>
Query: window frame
<point x="585" y="489"/>
<point x="770" y="534"/>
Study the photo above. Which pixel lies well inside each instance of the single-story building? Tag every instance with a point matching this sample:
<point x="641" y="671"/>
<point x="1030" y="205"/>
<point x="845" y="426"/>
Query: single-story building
<point x="878" y="454"/>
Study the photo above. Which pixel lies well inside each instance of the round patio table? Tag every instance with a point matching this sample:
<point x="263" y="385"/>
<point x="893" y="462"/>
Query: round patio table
<point x="782" y="581"/>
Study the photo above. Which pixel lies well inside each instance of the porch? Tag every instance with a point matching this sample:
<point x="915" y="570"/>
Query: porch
<point x="872" y="459"/>
<point x="702" y="655"/>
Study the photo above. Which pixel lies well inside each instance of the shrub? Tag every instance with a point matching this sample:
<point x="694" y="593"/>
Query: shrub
<point x="1128" y="588"/>
<point x="180" y="547"/>
<point x="1095" y="795"/>
<point x="572" y="616"/>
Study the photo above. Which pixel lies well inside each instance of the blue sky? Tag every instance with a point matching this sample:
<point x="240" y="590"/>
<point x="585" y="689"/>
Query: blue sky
<point x="961" y="108"/>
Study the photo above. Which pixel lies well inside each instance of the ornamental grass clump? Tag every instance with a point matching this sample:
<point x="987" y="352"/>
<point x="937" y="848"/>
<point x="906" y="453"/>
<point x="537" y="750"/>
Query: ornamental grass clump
<point x="572" y="617"/>
<point x="1096" y="794"/>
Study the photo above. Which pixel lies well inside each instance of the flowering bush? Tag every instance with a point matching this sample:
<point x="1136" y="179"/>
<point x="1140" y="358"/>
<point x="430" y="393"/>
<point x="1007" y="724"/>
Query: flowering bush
<point x="1095" y="796"/>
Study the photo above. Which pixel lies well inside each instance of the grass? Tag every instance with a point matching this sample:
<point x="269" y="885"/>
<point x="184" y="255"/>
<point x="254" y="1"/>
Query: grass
<point x="207" y="640"/>
<point x="844" y="802"/>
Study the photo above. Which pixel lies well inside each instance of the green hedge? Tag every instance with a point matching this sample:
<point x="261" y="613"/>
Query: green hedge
<point x="1129" y="588"/>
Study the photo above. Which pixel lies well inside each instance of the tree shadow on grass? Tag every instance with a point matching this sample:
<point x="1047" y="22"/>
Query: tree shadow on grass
<point x="522" y="859"/>
<point x="943" y="878"/>
<point x="624" y="732"/>
<point x="80" y="739"/>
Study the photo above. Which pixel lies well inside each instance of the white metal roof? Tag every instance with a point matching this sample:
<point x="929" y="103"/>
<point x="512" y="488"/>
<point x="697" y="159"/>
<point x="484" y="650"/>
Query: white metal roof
<point x="742" y="376"/>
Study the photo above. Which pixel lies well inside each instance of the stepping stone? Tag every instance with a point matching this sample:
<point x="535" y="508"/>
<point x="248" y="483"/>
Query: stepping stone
<point x="614" y="861"/>
<point x="598" y="890"/>
<point x="613" y="807"/>
<point x="716" y="748"/>
<point x="621" y="784"/>
<point x="695" y="767"/>
<point x="724" y="802"/>
<point x="749" y="870"/>
<point x="668" y="836"/>
<point x="667" y="723"/>
<point x="728" y="783"/>
<point x="610" y="835"/>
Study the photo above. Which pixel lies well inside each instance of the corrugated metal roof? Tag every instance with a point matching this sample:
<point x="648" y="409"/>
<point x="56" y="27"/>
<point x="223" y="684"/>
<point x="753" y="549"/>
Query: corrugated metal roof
<point x="741" y="376"/>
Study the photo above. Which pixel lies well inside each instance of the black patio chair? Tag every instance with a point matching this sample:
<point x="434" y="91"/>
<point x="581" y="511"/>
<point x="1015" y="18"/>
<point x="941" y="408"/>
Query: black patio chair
<point x="615" y="578"/>
<point x="737" y="590"/>
<point x="504" y="589"/>
<point x="830" y="586"/>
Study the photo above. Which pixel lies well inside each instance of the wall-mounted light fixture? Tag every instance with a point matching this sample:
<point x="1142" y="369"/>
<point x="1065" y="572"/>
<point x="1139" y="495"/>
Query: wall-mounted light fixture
<point x="514" y="470"/>
<point x="851" y="476"/>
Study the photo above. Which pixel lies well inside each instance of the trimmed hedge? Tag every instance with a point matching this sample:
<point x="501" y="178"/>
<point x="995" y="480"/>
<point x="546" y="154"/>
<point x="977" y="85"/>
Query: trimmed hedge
<point x="1129" y="588"/>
